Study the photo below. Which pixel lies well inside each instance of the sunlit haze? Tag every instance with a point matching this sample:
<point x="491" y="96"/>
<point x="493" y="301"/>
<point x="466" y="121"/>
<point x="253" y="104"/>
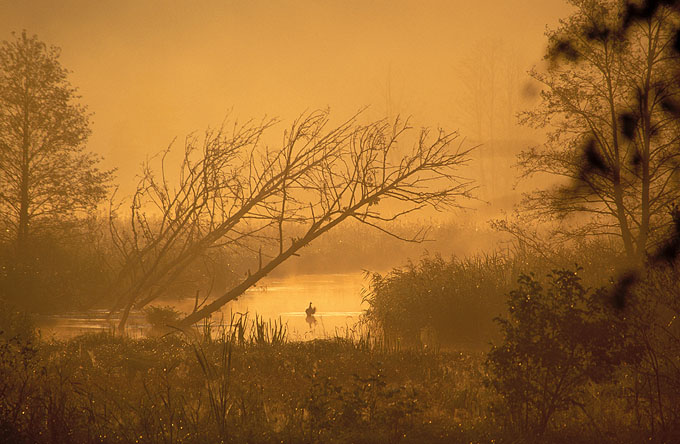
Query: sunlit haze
<point x="151" y="71"/>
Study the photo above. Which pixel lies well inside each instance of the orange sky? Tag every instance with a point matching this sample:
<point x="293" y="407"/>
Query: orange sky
<point x="153" y="70"/>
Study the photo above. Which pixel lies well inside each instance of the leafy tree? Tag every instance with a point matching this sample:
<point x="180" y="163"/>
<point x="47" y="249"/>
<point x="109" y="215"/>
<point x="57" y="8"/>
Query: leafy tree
<point x="604" y="100"/>
<point x="557" y="338"/>
<point x="46" y="176"/>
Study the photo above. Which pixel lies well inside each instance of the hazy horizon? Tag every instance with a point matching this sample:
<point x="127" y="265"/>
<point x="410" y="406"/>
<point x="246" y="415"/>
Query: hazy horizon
<point x="151" y="72"/>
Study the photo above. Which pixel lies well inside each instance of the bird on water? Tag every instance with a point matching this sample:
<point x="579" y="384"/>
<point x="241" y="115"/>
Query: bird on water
<point x="310" y="316"/>
<point x="310" y="310"/>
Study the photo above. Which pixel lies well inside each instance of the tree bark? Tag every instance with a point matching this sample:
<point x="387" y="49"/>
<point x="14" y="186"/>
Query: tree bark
<point x="22" y="231"/>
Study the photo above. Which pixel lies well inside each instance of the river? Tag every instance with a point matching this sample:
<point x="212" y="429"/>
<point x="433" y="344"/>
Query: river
<point x="337" y="298"/>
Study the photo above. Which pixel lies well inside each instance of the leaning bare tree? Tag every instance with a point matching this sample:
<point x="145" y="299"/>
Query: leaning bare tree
<point x="234" y="191"/>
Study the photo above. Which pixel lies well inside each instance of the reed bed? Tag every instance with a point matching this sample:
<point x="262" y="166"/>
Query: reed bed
<point x="243" y="381"/>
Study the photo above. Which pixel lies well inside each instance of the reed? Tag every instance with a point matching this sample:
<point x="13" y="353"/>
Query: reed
<point x="242" y="380"/>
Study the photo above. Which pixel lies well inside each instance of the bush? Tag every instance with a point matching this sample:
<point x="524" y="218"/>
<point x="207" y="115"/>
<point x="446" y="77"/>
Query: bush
<point x="454" y="301"/>
<point x="161" y="317"/>
<point x="556" y="339"/>
<point x="653" y="384"/>
<point x="15" y="324"/>
<point x="17" y="369"/>
<point x="55" y="274"/>
<point x="105" y="388"/>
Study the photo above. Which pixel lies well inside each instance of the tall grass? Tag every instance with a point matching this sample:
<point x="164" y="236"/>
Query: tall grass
<point x="255" y="387"/>
<point x="242" y="380"/>
<point x="224" y="387"/>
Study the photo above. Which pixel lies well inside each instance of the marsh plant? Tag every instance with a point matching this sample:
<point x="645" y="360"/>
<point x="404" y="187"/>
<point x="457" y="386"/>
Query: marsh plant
<point x="567" y="367"/>
<point x="451" y="302"/>
<point x="104" y="388"/>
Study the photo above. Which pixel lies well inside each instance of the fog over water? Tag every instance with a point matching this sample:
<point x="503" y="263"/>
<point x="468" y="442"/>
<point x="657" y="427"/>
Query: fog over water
<point x="153" y="72"/>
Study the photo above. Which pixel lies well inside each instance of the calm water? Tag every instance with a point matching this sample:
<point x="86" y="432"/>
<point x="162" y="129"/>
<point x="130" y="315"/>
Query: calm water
<point x="337" y="298"/>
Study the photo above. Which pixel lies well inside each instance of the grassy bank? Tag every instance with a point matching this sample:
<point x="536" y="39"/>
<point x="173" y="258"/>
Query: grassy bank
<point x="258" y="387"/>
<point x="101" y="388"/>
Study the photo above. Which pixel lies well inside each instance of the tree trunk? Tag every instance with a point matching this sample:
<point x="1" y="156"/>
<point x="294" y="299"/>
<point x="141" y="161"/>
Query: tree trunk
<point x="22" y="229"/>
<point x="645" y="152"/>
<point x="626" y="234"/>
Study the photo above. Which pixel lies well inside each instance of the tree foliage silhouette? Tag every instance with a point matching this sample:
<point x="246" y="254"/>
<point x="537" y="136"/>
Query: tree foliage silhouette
<point x="558" y="336"/>
<point x="604" y="99"/>
<point x="46" y="176"/>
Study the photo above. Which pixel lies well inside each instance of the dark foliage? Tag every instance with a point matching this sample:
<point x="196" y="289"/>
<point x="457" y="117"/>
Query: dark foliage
<point x="558" y="337"/>
<point x="634" y="13"/>
<point x="55" y="274"/>
<point x="653" y="383"/>
<point x="115" y="390"/>
<point x="437" y="302"/>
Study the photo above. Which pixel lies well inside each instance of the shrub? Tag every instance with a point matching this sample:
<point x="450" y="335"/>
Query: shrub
<point x="56" y="274"/>
<point x="17" y="369"/>
<point x="15" y="324"/>
<point x="161" y="317"/>
<point x="653" y="385"/>
<point x="556" y="339"/>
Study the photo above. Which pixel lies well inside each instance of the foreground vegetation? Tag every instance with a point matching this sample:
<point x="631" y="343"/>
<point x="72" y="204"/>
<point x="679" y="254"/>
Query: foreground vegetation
<point x="248" y="383"/>
<point x="565" y="345"/>
<point x="101" y="388"/>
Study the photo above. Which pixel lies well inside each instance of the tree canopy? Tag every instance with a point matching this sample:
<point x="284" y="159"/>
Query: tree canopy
<point x="47" y="178"/>
<point x="604" y="99"/>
